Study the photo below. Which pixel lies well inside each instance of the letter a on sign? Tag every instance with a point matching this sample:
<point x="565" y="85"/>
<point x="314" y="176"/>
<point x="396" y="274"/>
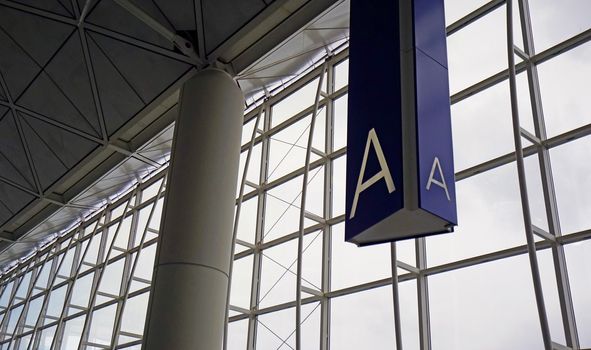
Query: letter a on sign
<point x="432" y="180"/>
<point x="372" y="139"/>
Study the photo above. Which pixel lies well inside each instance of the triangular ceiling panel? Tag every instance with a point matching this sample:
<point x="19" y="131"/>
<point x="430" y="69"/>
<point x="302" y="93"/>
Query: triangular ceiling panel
<point x="47" y="165"/>
<point x="118" y="99"/>
<point x="69" y="72"/>
<point x="53" y="149"/>
<point x="45" y="97"/>
<point x="38" y="36"/>
<point x="221" y="18"/>
<point x="17" y="68"/>
<point x="13" y="159"/>
<point x="181" y="13"/>
<point x="60" y="7"/>
<point x="12" y="198"/>
<point x="70" y="147"/>
<point x="2" y="97"/>
<point x="148" y="72"/>
<point x="108" y="14"/>
<point x="5" y="214"/>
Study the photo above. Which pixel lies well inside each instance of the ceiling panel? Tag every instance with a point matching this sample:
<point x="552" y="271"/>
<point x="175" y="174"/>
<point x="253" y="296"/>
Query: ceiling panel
<point x="70" y="74"/>
<point x="147" y="72"/>
<point x="44" y="97"/>
<point x="233" y="14"/>
<point x="13" y="159"/>
<point x="118" y="98"/>
<point x="108" y="14"/>
<point x="60" y="7"/>
<point x="39" y="37"/>
<point x="12" y="198"/>
<point x="180" y="13"/>
<point x="85" y="92"/>
<point x="68" y="146"/>
<point x="53" y="149"/>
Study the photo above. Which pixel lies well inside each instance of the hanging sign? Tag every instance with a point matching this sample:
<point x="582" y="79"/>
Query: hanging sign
<point x="400" y="173"/>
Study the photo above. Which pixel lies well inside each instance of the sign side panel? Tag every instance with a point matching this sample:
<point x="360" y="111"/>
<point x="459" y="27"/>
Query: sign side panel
<point x="434" y="139"/>
<point x="374" y="103"/>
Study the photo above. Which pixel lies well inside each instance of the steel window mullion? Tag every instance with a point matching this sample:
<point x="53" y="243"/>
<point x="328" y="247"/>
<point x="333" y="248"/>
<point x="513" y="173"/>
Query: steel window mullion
<point x="259" y="232"/>
<point x="299" y="263"/>
<point x="16" y="272"/>
<point x="77" y="262"/>
<point x="35" y="272"/>
<point x="328" y="207"/>
<point x="55" y="267"/>
<point x="102" y="267"/>
<point x="423" y="295"/>
<point x="34" y="280"/>
<point x="38" y="328"/>
<point x="10" y="306"/>
<point x="396" y="296"/>
<point x="128" y="276"/>
<point x="237" y="218"/>
<point x="532" y="253"/>
<point x="20" y="321"/>
<point x="559" y="259"/>
<point x="127" y="264"/>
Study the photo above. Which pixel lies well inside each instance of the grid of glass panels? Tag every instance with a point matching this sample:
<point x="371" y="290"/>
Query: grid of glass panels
<point x="475" y="288"/>
<point x="75" y="292"/>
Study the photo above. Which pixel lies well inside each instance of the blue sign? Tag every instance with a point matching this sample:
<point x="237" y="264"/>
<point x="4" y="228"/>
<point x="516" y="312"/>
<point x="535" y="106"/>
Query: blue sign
<point x="400" y="174"/>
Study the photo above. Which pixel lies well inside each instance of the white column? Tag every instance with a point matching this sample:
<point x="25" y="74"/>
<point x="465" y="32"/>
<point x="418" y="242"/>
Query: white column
<point x="190" y="283"/>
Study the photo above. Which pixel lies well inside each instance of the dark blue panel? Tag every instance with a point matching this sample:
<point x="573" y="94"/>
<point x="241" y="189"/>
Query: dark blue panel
<point x="434" y="137"/>
<point x="429" y="26"/>
<point x="374" y="102"/>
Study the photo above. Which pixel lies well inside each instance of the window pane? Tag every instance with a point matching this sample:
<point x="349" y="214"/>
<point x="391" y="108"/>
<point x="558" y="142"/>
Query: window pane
<point x="554" y="21"/>
<point x="134" y="314"/>
<point x="363" y="320"/>
<point x="489" y="217"/>
<point x="352" y="265"/>
<point x="101" y="327"/>
<point x="72" y="333"/>
<point x="482" y="127"/>
<point x="488" y="306"/>
<point x="571" y="170"/>
<point x="578" y="257"/>
<point x="564" y="84"/>
<point x="487" y="38"/>
<point x="294" y="103"/>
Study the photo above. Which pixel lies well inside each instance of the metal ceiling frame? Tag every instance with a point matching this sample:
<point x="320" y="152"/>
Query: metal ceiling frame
<point x="277" y="21"/>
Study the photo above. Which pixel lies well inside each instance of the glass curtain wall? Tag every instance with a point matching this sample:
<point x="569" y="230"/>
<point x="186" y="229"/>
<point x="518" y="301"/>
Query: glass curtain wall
<point x="470" y="289"/>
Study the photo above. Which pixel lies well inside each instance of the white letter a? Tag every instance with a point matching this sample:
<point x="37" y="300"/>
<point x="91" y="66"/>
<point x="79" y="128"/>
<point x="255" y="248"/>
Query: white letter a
<point x="372" y="138"/>
<point x="441" y="183"/>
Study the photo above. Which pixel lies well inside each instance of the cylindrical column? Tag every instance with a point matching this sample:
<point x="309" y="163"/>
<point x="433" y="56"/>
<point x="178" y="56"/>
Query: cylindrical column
<point x="190" y="283"/>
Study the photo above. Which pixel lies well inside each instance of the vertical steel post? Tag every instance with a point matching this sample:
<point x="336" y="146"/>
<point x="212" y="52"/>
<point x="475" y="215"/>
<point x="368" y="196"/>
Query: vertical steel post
<point x="259" y="230"/>
<point x="396" y="296"/>
<point x="560" y="268"/>
<point x="303" y="211"/>
<point x="237" y="216"/>
<point x="328" y="207"/>
<point x="423" y="295"/>
<point x="531" y="247"/>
